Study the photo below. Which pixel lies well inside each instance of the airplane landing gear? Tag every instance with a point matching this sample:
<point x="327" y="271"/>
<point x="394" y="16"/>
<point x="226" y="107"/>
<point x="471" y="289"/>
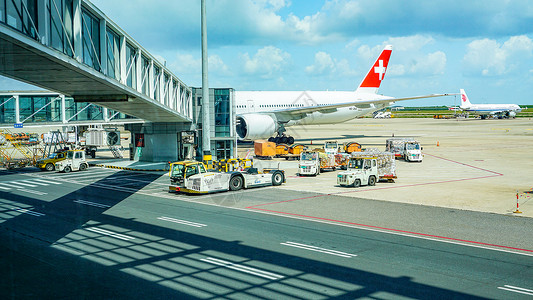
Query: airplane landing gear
<point x="283" y="139"/>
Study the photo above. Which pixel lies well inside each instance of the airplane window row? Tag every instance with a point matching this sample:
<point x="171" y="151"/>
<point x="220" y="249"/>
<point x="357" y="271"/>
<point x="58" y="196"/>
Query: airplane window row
<point x="274" y="105"/>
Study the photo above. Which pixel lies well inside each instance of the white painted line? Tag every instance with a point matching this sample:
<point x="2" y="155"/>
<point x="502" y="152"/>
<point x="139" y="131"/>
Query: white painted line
<point x="80" y="174"/>
<point x="515" y="289"/>
<point x="23" y="184"/>
<point x="29" y="212"/>
<point x="188" y="223"/>
<point x="242" y="268"/>
<point x="33" y="192"/>
<point x="318" y="249"/>
<point x="33" y="182"/>
<point x="92" y="204"/>
<point x="110" y="233"/>
<point x="46" y="181"/>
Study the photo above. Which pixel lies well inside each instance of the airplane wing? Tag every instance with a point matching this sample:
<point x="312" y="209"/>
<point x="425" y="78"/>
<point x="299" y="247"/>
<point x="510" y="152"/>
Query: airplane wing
<point x="300" y="112"/>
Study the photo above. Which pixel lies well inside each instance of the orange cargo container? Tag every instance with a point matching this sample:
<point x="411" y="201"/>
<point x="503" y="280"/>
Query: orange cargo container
<point x="297" y="149"/>
<point x="264" y="148"/>
<point x="282" y="149"/>
<point x="352" y="147"/>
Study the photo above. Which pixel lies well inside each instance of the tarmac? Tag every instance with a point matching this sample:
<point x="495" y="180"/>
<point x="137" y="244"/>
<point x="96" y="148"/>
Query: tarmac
<point x="469" y="164"/>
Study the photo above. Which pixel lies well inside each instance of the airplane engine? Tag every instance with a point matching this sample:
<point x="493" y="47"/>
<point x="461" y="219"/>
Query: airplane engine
<point x="511" y="114"/>
<point x="256" y="126"/>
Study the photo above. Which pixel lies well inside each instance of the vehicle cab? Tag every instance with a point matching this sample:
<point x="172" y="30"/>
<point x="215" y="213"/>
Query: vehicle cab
<point x="331" y="147"/>
<point x="309" y="163"/>
<point x="361" y="171"/>
<point x="413" y="152"/>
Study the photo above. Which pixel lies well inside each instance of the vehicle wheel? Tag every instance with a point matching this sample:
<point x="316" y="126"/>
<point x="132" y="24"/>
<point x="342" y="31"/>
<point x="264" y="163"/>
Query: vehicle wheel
<point x="83" y="167"/>
<point x="372" y="180"/>
<point x="67" y="169"/>
<point x="283" y="140"/>
<point x="49" y="167"/>
<point x="290" y="140"/>
<point x="235" y="183"/>
<point x="357" y="183"/>
<point x="277" y="178"/>
<point x="272" y="139"/>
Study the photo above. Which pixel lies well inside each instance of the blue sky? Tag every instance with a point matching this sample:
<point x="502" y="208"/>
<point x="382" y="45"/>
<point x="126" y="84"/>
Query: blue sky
<point x="439" y="46"/>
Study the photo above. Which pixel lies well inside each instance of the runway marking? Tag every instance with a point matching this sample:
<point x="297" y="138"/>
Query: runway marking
<point x="92" y="204"/>
<point x="318" y="249"/>
<point x="28" y="211"/>
<point x="188" y="223"/>
<point x="242" y="268"/>
<point x="33" y="192"/>
<point x="33" y="181"/>
<point x="516" y="289"/>
<point x="22" y="183"/>
<point x="110" y="233"/>
<point x="42" y="180"/>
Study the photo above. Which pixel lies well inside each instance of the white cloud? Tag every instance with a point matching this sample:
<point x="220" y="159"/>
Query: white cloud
<point x="488" y="57"/>
<point x="267" y="62"/>
<point x="324" y="64"/>
<point x="431" y="64"/>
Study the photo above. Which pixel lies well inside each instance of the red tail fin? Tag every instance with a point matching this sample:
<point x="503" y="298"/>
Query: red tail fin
<point x="376" y="74"/>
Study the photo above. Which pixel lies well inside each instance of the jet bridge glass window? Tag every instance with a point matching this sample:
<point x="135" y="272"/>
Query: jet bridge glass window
<point x="145" y="81"/>
<point x="20" y="15"/>
<point x="113" y="54"/>
<point x="7" y="111"/>
<point x="90" y="35"/>
<point x="61" y="24"/>
<point x="35" y="109"/>
<point x="157" y="78"/>
<point x="131" y="66"/>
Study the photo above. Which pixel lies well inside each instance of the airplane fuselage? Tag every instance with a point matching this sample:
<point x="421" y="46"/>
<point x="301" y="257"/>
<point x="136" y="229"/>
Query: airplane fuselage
<point x="272" y="101"/>
<point x="491" y="109"/>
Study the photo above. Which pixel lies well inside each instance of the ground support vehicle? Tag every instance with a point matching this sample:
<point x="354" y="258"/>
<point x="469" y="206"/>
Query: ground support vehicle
<point x="407" y="148"/>
<point x="309" y="163"/>
<point x="192" y="177"/>
<point x="367" y="168"/>
<point x="48" y="164"/>
<point x="331" y="147"/>
<point x="75" y="161"/>
<point x="314" y="162"/>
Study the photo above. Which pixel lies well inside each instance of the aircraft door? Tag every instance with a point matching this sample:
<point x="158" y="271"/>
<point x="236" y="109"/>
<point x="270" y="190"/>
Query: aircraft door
<point x="250" y="107"/>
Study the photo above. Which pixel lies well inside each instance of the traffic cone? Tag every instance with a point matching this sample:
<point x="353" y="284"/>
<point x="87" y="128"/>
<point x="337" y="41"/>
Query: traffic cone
<point x="437" y="143"/>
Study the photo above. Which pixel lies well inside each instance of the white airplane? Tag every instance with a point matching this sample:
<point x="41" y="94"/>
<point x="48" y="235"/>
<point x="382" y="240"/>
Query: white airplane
<point x="485" y="110"/>
<point x="262" y="114"/>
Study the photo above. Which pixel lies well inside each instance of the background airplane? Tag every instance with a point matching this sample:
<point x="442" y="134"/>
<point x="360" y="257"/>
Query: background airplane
<point x="263" y="114"/>
<point x="485" y="110"/>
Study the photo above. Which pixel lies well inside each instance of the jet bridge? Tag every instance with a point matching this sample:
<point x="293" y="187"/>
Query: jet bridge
<point x="72" y="48"/>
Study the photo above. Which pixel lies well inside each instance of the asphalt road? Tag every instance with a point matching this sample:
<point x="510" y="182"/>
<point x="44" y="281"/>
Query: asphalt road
<point x="115" y="234"/>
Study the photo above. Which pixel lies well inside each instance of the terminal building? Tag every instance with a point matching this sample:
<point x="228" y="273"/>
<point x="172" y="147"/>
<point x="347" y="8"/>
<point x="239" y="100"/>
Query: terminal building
<point x="72" y="48"/>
